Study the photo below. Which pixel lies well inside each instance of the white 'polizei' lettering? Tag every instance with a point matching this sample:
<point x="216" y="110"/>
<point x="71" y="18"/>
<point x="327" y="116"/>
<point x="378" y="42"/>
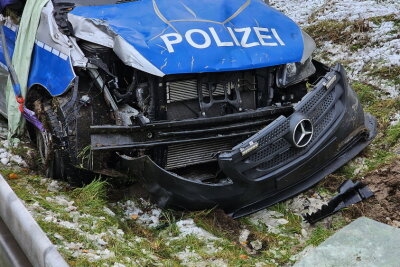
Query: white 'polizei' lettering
<point x="245" y="37"/>
<point x="167" y="38"/>
<point x="207" y="39"/>
<point x="234" y="38"/>
<point x="276" y="35"/>
<point x="239" y="37"/>
<point x="262" y="37"/>
<point x="217" y="40"/>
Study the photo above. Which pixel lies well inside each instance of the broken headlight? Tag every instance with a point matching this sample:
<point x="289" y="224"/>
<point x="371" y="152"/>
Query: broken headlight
<point x="293" y="73"/>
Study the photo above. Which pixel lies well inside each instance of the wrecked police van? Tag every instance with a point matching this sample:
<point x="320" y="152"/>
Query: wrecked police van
<point x="207" y="103"/>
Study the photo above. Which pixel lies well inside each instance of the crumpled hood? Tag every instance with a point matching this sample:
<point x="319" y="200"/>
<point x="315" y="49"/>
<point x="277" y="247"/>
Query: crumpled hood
<point x="190" y="36"/>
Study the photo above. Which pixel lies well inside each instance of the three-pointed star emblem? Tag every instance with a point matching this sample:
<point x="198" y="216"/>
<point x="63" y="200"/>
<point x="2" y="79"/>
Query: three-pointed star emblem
<point x="303" y="133"/>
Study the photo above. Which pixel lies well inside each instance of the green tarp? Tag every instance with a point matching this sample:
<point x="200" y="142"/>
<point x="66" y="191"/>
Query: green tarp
<point x="21" y="62"/>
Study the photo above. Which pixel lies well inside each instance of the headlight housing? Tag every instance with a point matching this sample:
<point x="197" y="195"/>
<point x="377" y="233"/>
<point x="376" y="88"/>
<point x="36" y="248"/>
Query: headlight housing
<point x="293" y="73"/>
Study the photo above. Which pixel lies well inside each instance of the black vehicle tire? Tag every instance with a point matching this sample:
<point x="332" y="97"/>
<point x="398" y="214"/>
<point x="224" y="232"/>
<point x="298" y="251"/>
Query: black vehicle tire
<point x="67" y="131"/>
<point x="47" y="143"/>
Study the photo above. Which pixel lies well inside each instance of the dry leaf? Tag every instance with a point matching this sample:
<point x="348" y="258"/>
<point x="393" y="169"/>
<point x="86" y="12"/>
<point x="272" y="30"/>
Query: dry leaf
<point x="243" y="256"/>
<point x="13" y="176"/>
<point x="134" y="216"/>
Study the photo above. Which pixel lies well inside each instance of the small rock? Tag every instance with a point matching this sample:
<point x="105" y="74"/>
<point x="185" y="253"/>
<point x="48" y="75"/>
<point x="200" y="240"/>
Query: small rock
<point x="304" y="233"/>
<point x="108" y="211"/>
<point x="282" y="221"/>
<point x="256" y="244"/>
<point x="54" y="187"/>
<point x="4" y="161"/>
<point x="101" y="242"/>
<point x="58" y="236"/>
<point x="244" y="235"/>
<point x="71" y="208"/>
<point x="396" y="224"/>
<point x="17" y="159"/>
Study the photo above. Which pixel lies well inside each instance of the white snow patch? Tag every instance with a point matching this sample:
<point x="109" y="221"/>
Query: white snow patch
<point x="190" y="258"/>
<point x="358" y="9"/>
<point x="303" y="205"/>
<point x="188" y="227"/>
<point x="385" y="52"/>
<point x="6" y="157"/>
<point x="148" y="216"/>
<point x="298" y="10"/>
<point x="271" y="219"/>
<point x="60" y="200"/>
<point x="395" y="119"/>
<point x="54" y="186"/>
<point x="301" y="10"/>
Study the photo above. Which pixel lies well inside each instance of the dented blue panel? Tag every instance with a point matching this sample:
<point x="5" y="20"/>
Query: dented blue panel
<point x="191" y="36"/>
<point x="51" y="69"/>
<point x="11" y="37"/>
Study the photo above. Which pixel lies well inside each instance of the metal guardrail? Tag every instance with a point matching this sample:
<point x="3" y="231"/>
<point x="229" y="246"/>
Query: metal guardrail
<point x="23" y="243"/>
<point x="11" y="254"/>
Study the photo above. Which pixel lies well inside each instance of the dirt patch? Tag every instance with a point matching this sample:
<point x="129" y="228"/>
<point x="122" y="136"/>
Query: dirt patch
<point x="331" y="183"/>
<point x="222" y="223"/>
<point x="384" y="206"/>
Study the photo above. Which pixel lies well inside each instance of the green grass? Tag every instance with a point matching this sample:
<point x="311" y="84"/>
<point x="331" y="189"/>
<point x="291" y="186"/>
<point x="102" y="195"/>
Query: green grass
<point x="391" y="73"/>
<point x="340" y="32"/>
<point x="380" y="19"/>
<point x="92" y="196"/>
<point x="319" y="235"/>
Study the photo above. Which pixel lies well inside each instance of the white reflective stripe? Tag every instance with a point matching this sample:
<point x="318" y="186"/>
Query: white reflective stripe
<point x="10" y="25"/>
<point x="63" y="56"/>
<point x="51" y="50"/>
<point x="56" y="52"/>
<point x="47" y="47"/>
<point x="39" y="43"/>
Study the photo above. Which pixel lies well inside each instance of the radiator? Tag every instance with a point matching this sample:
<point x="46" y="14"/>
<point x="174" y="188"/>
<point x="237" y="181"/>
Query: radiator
<point x="183" y="155"/>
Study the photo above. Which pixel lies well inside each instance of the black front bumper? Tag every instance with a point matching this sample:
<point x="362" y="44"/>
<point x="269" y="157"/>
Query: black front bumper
<point x="268" y="167"/>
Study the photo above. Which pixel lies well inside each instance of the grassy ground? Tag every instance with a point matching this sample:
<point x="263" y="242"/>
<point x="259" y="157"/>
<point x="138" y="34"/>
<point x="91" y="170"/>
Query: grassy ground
<point x="89" y="230"/>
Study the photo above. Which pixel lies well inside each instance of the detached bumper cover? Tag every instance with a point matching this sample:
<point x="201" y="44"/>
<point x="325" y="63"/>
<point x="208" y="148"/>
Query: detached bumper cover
<point x="327" y="129"/>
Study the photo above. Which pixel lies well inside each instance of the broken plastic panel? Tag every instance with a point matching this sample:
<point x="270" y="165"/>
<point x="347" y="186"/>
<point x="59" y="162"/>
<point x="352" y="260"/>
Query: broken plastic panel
<point x="349" y="193"/>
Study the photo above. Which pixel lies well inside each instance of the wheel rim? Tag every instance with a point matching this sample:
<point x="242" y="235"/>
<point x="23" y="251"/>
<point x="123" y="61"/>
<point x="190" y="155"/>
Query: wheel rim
<point x="43" y="143"/>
